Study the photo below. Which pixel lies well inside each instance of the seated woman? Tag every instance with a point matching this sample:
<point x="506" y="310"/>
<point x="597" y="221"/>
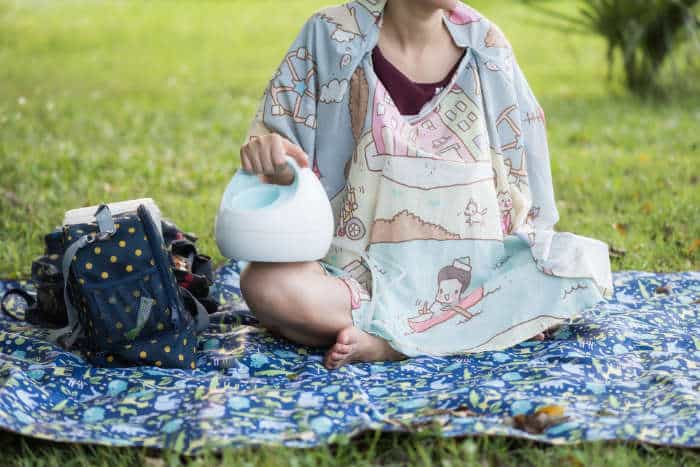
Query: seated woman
<point x="423" y="130"/>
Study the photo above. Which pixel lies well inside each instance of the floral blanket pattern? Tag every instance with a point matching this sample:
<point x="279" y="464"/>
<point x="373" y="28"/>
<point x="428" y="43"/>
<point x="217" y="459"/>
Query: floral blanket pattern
<point x="629" y="369"/>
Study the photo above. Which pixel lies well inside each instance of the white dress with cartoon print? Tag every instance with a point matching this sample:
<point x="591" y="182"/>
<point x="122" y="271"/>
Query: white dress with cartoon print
<point x="446" y="217"/>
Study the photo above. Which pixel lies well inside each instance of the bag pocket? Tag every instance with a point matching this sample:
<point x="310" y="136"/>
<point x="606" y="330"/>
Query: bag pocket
<point x="121" y="311"/>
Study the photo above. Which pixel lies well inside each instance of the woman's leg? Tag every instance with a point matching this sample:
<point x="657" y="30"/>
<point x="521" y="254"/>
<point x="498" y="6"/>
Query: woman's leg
<point x="302" y="303"/>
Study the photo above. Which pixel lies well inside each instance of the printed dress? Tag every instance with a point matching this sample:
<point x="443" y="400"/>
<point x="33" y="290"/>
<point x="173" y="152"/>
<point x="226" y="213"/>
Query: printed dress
<point x="446" y="217"/>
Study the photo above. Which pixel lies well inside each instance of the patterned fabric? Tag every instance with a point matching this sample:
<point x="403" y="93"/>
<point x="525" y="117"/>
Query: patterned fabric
<point x="127" y="298"/>
<point x="446" y="217"/>
<point x="628" y="370"/>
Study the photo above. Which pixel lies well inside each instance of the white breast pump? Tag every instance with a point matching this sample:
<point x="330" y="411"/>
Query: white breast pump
<point x="265" y="222"/>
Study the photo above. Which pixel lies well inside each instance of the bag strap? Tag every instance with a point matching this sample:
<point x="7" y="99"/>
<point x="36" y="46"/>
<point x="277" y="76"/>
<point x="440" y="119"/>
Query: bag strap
<point x="200" y="313"/>
<point x="74" y="330"/>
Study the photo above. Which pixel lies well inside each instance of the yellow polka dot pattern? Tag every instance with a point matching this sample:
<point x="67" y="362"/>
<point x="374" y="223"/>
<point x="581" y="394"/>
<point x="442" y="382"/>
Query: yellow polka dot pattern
<point x="113" y="260"/>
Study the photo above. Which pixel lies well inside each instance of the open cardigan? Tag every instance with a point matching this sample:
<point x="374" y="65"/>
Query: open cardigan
<point x="447" y="217"/>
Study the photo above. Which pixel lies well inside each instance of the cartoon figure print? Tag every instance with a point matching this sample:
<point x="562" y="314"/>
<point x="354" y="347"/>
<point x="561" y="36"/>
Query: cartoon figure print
<point x="472" y="213"/>
<point x="505" y="203"/>
<point x="453" y="280"/>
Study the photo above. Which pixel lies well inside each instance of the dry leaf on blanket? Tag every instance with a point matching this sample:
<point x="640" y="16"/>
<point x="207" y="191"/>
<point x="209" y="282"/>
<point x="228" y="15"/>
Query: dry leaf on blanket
<point x="538" y="422"/>
<point x="551" y="410"/>
<point x="664" y="289"/>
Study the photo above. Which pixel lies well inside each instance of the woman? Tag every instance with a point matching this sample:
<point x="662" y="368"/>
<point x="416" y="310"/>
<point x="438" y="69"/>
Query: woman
<point x="420" y="125"/>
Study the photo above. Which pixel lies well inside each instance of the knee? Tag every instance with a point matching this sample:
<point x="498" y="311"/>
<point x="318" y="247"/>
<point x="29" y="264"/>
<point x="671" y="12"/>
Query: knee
<point x="273" y="292"/>
<point x="257" y="285"/>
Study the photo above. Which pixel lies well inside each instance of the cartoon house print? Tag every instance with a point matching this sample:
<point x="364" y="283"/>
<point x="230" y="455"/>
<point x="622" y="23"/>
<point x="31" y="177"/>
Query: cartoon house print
<point x="461" y="115"/>
<point x="452" y="281"/>
<point x="296" y="91"/>
<point x="451" y="131"/>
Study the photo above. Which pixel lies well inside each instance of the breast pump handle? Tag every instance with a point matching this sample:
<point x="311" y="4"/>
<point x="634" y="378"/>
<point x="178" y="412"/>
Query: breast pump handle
<point x="291" y="162"/>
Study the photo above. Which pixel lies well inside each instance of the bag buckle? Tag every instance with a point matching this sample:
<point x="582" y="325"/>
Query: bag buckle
<point x="105" y="222"/>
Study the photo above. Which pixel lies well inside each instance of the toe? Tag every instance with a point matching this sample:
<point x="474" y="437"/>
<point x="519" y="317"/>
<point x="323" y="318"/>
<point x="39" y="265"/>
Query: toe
<point x="345" y="336"/>
<point x="342" y="349"/>
<point x="331" y="364"/>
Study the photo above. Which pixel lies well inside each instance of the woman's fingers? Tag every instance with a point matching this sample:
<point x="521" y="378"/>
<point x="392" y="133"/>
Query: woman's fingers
<point x="255" y="148"/>
<point x="296" y="152"/>
<point x="245" y="164"/>
<point x="278" y="153"/>
<point x="266" y="158"/>
<point x="265" y="155"/>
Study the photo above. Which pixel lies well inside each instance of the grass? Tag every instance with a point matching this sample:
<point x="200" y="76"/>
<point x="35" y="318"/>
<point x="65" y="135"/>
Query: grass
<point x="117" y="100"/>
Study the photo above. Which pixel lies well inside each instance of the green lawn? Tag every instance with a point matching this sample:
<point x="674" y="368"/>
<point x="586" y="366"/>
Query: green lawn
<point x="117" y="100"/>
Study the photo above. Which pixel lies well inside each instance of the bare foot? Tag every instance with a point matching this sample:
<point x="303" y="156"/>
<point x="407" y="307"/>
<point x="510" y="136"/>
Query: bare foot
<point x="354" y="345"/>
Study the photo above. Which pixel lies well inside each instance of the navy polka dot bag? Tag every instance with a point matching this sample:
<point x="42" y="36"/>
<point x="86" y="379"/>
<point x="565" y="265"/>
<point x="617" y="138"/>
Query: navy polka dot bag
<point x="123" y="303"/>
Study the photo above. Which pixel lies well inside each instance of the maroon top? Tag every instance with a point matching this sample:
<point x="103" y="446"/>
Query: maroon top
<point x="409" y="96"/>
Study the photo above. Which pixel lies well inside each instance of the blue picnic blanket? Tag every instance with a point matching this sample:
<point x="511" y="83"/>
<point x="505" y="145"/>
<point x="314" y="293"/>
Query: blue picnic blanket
<point x="627" y="370"/>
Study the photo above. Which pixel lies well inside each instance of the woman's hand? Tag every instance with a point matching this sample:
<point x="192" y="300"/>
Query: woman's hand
<point x="265" y="156"/>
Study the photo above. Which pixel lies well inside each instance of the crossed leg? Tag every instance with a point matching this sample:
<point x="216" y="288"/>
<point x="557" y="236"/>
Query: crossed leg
<point x="300" y="302"/>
